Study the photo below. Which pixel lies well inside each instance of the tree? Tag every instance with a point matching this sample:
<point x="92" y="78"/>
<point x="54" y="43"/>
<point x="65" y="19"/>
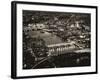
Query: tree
<point x="39" y="47"/>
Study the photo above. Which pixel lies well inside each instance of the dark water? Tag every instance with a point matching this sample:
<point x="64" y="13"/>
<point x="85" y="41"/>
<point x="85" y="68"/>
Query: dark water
<point x="66" y="60"/>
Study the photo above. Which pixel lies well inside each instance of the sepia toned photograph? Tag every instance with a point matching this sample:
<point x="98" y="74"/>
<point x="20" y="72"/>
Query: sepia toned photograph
<point x="53" y="40"/>
<point x="56" y="39"/>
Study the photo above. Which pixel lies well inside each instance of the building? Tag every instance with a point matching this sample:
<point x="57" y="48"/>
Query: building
<point x="62" y="48"/>
<point x="38" y="26"/>
<point x="32" y="27"/>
